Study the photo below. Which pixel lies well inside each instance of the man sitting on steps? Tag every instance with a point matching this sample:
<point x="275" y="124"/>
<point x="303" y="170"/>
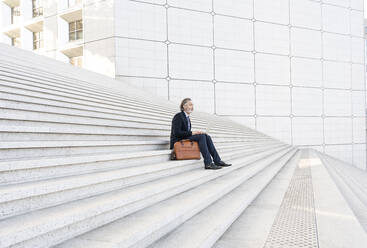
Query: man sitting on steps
<point x="181" y="129"/>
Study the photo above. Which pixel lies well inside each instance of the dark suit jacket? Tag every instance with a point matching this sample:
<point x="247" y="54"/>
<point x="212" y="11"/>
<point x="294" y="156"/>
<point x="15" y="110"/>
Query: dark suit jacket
<point x="179" y="128"/>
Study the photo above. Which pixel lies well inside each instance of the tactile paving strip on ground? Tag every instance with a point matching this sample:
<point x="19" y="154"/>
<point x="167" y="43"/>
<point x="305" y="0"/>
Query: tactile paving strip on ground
<point x="295" y="223"/>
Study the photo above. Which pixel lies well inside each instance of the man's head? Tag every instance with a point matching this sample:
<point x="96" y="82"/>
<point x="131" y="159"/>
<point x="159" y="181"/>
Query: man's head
<point x="187" y="105"/>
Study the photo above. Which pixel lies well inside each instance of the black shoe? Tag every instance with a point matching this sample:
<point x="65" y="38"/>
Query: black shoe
<point x="221" y="163"/>
<point x="212" y="166"/>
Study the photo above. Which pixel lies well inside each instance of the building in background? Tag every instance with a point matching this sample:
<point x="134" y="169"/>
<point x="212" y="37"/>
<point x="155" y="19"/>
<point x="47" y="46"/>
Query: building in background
<point x="292" y="69"/>
<point x="52" y="28"/>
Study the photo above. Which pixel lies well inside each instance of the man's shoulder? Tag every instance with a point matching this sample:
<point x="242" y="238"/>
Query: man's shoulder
<point x="177" y="115"/>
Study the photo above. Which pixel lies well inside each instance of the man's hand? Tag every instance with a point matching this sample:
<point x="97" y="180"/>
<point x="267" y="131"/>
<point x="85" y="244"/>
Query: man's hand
<point x="197" y="132"/>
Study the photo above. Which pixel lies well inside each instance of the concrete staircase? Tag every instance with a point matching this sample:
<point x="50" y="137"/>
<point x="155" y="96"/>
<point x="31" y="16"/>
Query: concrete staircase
<point x="84" y="162"/>
<point x="352" y="183"/>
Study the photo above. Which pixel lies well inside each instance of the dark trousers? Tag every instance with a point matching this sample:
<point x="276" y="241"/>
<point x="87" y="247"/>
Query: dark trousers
<point x="206" y="147"/>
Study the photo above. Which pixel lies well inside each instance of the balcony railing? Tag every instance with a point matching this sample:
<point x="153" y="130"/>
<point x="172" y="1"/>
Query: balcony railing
<point x="37" y="40"/>
<point x="15" y="15"/>
<point x="37" y="12"/>
<point x="15" y="42"/>
<point x="37" y="8"/>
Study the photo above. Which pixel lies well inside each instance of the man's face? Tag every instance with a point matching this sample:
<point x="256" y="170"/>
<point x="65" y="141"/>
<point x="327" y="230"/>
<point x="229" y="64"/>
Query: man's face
<point x="188" y="107"/>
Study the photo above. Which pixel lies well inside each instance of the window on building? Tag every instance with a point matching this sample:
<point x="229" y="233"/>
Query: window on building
<point x="77" y="61"/>
<point x="15" y="41"/>
<point x="15" y="14"/>
<point x="37" y="40"/>
<point x="76" y="30"/>
<point x="37" y="8"/>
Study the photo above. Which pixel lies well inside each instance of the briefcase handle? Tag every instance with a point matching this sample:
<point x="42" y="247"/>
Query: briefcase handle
<point x="192" y="142"/>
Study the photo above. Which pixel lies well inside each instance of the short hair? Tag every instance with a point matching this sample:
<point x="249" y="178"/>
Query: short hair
<point x="183" y="102"/>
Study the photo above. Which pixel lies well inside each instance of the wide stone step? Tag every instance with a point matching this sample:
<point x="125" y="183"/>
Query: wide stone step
<point x="24" y="90"/>
<point x="56" y="129"/>
<point x="301" y="207"/>
<point x="36" y="121"/>
<point x="27" y="96"/>
<point x="19" y="116"/>
<point x="31" y="78"/>
<point x="351" y="190"/>
<point x="24" y="170"/>
<point x="67" y="147"/>
<point x="10" y="93"/>
<point x="7" y="134"/>
<point x="43" y="91"/>
<point x="332" y="209"/>
<point x="244" y="231"/>
<point x="58" y="112"/>
<point x="21" y="89"/>
<point x="32" y="149"/>
<point x="11" y="103"/>
<point x="70" y="74"/>
<point x="23" y="197"/>
<point x="205" y="228"/>
<point x="15" y="109"/>
<point x="152" y="223"/>
<point x="77" y="76"/>
<point x="355" y="177"/>
<point x="31" y="133"/>
<point x="52" y="225"/>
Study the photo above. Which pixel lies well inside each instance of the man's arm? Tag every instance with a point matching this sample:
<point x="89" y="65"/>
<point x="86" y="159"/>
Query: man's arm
<point x="177" y="128"/>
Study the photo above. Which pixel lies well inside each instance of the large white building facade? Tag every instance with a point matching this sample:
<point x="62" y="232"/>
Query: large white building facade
<point x="292" y="69"/>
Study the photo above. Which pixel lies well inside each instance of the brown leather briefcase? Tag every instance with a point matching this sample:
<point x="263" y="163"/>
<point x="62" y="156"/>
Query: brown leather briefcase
<point x="185" y="149"/>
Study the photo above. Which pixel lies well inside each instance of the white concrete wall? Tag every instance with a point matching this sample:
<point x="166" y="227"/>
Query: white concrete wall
<point x="50" y="27"/>
<point x="26" y="37"/>
<point x="292" y="69"/>
<point x="63" y="32"/>
<point x="5" y="15"/>
<point x="50" y="34"/>
<point x="26" y="10"/>
<point x="5" y="20"/>
<point x="99" y="43"/>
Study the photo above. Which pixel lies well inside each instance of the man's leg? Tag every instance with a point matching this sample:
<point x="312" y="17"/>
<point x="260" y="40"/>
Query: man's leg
<point x="201" y="139"/>
<point x="212" y="149"/>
